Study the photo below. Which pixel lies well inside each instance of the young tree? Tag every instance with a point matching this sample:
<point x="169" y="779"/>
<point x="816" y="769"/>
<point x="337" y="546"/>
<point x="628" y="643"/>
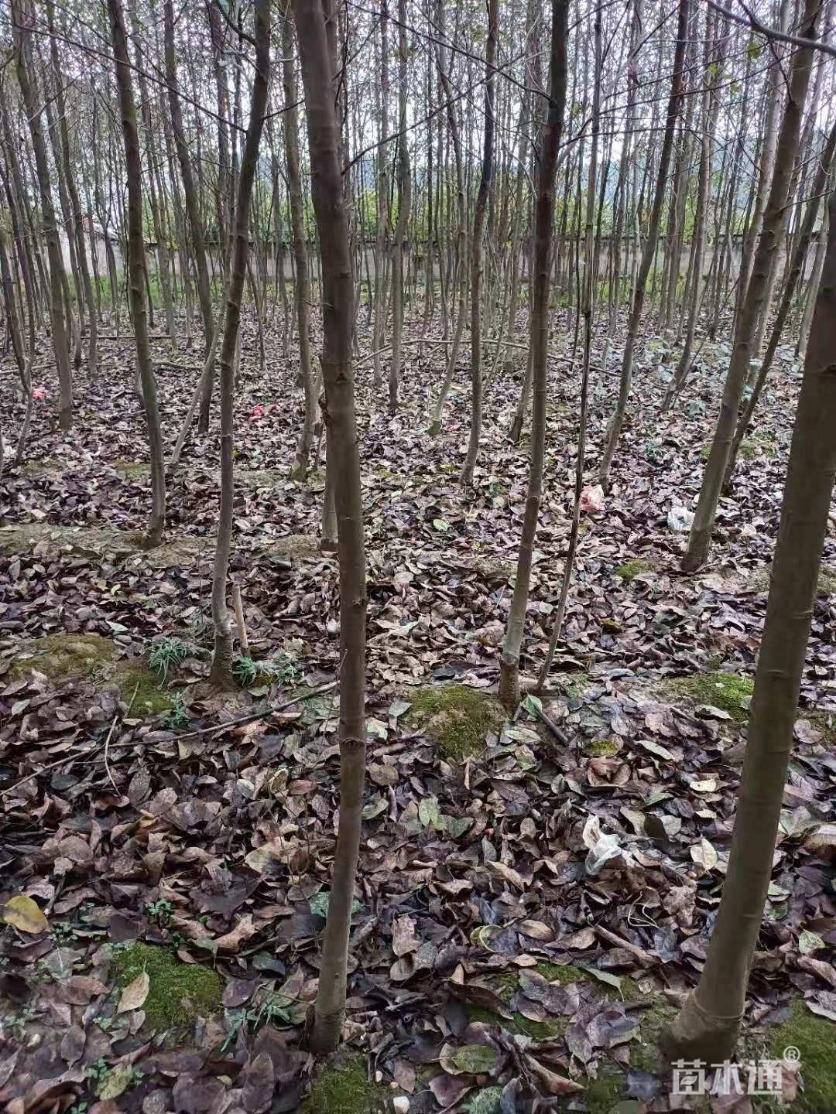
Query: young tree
<point x="649" y="251"/>
<point x="773" y="222"/>
<point x="222" y="657"/>
<point x="708" y="1024"/>
<point x="137" y="280"/>
<point x="404" y="206"/>
<point x="302" y="283"/>
<point x="23" y="18"/>
<point x="546" y="162"/>
<point x="477" y="253"/>
<point x="319" y="67"/>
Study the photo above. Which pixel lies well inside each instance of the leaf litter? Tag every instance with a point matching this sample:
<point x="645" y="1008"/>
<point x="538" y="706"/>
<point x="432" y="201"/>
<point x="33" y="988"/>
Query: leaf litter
<point x="522" y="915"/>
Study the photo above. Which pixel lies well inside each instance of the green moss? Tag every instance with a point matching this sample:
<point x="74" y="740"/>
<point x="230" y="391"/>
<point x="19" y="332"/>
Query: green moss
<point x="132" y="470"/>
<point x="179" y="992"/>
<point x="137" y="683"/>
<point x="537" y="1030"/>
<point x="814" y="1038"/>
<point x="602" y="748"/>
<point x="728" y="691"/>
<point x="827" y="582"/>
<point x="457" y="717"/>
<point x="600" y="1095"/>
<point x="60" y="656"/>
<point x="644" y="1048"/>
<point x="563" y="973"/>
<point x="633" y="568"/>
<point x="705" y="452"/>
<point x="46" y="466"/>
<point x="63" y="656"/>
<point x="342" y="1087"/>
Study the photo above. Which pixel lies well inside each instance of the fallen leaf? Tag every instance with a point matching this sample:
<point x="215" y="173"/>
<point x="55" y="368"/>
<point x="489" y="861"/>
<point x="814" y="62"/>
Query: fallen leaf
<point x="134" y="995"/>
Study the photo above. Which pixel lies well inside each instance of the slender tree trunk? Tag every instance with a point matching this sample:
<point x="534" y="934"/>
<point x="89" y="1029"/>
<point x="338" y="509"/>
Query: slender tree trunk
<point x="404" y="206"/>
<point x="765" y="169"/>
<point x="477" y="253"/>
<point x="713" y="68"/>
<point x="302" y="283"/>
<point x="649" y="252"/>
<point x="459" y="267"/>
<point x="136" y="273"/>
<point x="23" y="20"/>
<point x="319" y="66"/>
<point x="708" y="1024"/>
<point x="509" y="682"/>
<point x="699" y="541"/>
<point x="796" y="268"/>
<point x="221" y="672"/>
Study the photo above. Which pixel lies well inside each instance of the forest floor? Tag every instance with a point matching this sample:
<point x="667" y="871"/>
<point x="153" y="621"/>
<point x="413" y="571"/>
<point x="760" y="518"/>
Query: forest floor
<point x="530" y="911"/>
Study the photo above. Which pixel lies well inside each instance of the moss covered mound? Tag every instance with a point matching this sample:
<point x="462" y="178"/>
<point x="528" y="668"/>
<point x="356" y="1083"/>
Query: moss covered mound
<point x="457" y="717"/>
<point x="61" y="657"/>
<point x="342" y="1086"/>
<point x="730" y="692"/>
<point x="814" y="1037"/>
<point x="179" y="992"/>
<point x="633" y="568"/>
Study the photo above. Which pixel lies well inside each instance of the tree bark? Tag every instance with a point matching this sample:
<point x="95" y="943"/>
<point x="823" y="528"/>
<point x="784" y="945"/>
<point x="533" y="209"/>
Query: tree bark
<point x="708" y="1024"/>
<point x="23" y="20"/>
<point x="404" y="206"/>
<point x="699" y="541"/>
<point x="319" y="67"/>
<point x="649" y="251"/>
<point x="509" y="662"/>
<point x="221" y="671"/>
<point x="136" y="273"/>
<point x="477" y="254"/>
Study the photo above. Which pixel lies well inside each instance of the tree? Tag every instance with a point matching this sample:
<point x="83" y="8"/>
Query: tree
<point x="319" y="67"/>
<point x="708" y="1024"/>
<point x="509" y="683"/>
<point x="22" y="23"/>
<point x="649" y="251"/>
<point x="773" y="223"/>
<point x="477" y="253"/>
<point x="136" y="274"/>
<point x="222" y="657"/>
<point x="302" y="283"/>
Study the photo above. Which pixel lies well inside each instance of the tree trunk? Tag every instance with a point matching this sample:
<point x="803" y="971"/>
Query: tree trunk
<point x="708" y="1025"/>
<point x="136" y="273"/>
<point x="319" y="67"/>
<point x="649" y="252"/>
<point x="477" y="254"/>
<point x="509" y="682"/>
<point x="23" y="21"/>
<point x="796" y="267"/>
<point x="221" y="672"/>
<point x="404" y="206"/>
<point x="773" y="222"/>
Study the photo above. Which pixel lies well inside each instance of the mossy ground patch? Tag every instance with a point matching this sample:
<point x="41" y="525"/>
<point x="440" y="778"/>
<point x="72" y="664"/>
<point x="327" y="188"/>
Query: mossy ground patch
<point x="730" y="692"/>
<point x="64" y="656"/>
<point x="457" y="717"/>
<point x="179" y="992"/>
<point x="342" y="1086"/>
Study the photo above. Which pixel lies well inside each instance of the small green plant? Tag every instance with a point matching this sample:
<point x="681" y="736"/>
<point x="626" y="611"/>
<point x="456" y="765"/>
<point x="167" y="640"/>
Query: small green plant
<point x="177" y="716"/>
<point x="98" y="1071"/>
<point x="64" y="933"/>
<point x="654" y="453"/>
<point x="161" y="910"/>
<point x="16" y="1023"/>
<point x="245" y="671"/>
<point x="199" y="626"/>
<point x="167" y="654"/>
